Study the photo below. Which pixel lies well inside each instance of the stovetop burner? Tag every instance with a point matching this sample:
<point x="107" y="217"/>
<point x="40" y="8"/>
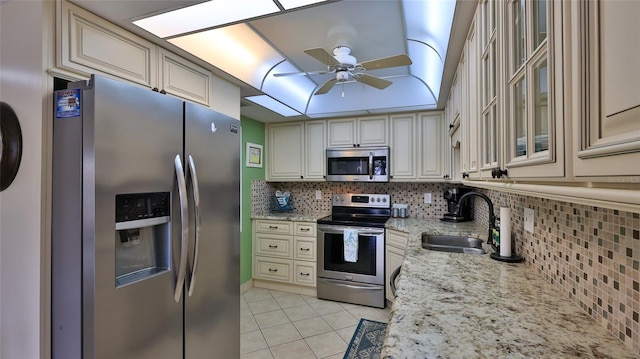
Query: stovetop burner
<point x="362" y="210"/>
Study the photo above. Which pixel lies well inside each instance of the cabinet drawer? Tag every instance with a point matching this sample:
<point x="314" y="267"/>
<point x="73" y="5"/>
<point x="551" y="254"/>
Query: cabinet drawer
<point x="273" y="245"/>
<point x="305" y="229"/>
<point x="274" y="269"/>
<point x="397" y="239"/>
<point x="304" y="249"/>
<point x="277" y="227"/>
<point x="304" y="273"/>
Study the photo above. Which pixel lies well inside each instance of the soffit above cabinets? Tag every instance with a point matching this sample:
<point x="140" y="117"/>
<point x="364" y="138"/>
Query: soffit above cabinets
<point x="250" y="53"/>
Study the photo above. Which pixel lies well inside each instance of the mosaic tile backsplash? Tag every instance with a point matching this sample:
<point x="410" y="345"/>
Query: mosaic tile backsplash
<point x="304" y="195"/>
<point x="590" y="254"/>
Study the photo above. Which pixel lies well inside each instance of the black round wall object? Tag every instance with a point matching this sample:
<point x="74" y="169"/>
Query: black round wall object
<point x="11" y="145"/>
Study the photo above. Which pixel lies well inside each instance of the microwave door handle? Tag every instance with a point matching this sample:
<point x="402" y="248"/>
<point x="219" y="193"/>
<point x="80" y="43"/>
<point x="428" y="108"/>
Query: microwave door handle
<point x="371" y="165"/>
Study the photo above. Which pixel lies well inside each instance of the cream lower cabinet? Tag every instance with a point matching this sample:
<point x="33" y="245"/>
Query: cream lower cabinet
<point x="284" y="255"/>
<point x="394" y="250"/>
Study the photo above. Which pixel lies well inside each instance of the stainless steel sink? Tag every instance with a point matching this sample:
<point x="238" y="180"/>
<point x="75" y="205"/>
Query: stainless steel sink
<point x="446" y="243"/>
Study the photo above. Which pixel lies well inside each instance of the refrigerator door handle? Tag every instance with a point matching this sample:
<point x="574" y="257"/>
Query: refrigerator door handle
<point x="184" y="226"/>
<point x="196" y="204"/>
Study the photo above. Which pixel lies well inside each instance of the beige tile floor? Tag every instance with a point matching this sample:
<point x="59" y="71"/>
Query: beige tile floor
<point x="280" y="325"/>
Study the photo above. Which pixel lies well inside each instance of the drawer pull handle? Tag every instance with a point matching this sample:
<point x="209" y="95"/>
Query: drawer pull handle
<point x="305" y="229"/>
<point x="272" y="246"/>
<point x="305" y="249"/>
<point x="305" y="274"/>
<point x="273" y="227"/>
<point x="272" y="270"/>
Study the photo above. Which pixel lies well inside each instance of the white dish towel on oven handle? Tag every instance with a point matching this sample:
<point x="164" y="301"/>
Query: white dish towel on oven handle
<point x="350" y="245"/>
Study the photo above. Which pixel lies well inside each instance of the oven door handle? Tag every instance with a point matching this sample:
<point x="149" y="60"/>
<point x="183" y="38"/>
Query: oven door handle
<point x="341" y="284"/>
<point x="332" y="230"/>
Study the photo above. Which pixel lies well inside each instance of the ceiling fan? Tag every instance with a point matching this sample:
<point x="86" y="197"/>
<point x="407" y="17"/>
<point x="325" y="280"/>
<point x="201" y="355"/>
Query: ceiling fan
<point x="346" y="67"/>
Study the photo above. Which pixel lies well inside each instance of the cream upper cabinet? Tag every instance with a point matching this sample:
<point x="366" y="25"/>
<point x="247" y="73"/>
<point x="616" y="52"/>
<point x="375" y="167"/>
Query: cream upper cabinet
<point x="356" y="132"/>
<point x="513" y="107"/>
<point x="284" y="144"/>
<point x="315" y="150"/>
<point x="90" y="44"/>
<point x="469" y="117"/>
<point x="606" y="126"/>
<point x="403" y="147"/>
<point x="431" y="155"/>
<point x="182" y="78"/>
<point x="534" y="94"/>
<point x="295" y="151"/>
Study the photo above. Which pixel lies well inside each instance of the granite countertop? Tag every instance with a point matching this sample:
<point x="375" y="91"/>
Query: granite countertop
<point x="290" y="216"/>
<point x="454" y="305"/>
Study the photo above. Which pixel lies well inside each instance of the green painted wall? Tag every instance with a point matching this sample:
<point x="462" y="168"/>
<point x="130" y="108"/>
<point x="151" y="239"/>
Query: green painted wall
<point x="252" y="131"/>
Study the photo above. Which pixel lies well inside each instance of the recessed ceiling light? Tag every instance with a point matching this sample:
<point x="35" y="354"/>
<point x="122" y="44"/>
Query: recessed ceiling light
<point x="205" y="15"/>
<point x="292" y="4"/>
<point x="273" y="105"/>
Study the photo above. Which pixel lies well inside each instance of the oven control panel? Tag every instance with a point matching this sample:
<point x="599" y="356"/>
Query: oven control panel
<point x="361" y="200"/>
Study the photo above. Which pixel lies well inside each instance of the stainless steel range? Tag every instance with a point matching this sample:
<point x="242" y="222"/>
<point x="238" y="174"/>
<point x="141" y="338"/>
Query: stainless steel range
<point x="351" y="249"/>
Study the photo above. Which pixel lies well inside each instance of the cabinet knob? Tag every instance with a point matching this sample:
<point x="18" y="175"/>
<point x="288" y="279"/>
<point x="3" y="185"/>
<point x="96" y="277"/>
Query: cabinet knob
<point x="445" y="176"/>
<point x="301" y="177"/>
<point x="163" y="92"/>
<point x="450" y="125"/>
<point x="155" y="89"/>
<point x="498" y="172"/>
<point x="465" y="174"/>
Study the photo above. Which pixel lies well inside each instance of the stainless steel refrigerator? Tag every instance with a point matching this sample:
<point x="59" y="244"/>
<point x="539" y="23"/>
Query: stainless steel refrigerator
<point x="145" y="226"/>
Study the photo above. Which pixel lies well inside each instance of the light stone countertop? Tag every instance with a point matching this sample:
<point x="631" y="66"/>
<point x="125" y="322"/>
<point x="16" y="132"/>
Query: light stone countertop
<point x="455" y="305"/>
<point x="290" y="216"/>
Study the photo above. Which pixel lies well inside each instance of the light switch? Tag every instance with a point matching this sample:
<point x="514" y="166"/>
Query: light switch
<point x="318" y="194"/>
<point x="528" y="220"/>
<point x="427" y="198"/>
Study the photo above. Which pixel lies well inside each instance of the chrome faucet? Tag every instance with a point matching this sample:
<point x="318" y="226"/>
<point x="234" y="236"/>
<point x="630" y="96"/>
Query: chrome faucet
<point x="492" y="216"/>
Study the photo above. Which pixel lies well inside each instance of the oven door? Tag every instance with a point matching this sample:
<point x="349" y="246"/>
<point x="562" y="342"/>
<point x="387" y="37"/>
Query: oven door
<point x="369" y="266"/>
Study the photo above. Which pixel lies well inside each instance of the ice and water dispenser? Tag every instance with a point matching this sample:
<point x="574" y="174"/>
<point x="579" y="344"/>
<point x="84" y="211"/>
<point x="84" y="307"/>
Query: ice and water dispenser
<point x="143" y="236"/>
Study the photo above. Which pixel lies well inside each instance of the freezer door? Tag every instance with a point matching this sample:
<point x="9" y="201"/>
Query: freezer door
<point x="131" y="136"/>
<point x="212" y="294"/>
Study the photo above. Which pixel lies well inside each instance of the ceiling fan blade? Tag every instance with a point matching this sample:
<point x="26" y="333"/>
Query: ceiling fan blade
<point x="300" y="73"/>
<point x="391" y="61"/>
<point x="328" y="85"/>
<point x="323" y="56"/>
<point x="373" y="81"/>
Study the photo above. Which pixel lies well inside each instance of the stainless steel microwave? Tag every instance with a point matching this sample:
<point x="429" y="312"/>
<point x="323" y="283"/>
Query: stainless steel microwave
<point x="361" y="164"/>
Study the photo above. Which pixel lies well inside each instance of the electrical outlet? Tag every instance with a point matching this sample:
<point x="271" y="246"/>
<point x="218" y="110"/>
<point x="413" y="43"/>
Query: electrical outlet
<point x="318" y="194"/>
<point x="427" y="198"/>
<point x="528" y="220"/>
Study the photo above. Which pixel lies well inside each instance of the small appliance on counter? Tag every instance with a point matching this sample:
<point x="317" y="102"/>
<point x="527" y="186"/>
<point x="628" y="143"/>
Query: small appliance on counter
<point x="452" y="195"/>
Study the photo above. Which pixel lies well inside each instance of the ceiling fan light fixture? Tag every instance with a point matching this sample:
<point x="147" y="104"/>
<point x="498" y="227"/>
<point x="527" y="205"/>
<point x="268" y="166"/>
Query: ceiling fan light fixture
<point x="342" y="76"/>
<point x="341" y="53"/>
